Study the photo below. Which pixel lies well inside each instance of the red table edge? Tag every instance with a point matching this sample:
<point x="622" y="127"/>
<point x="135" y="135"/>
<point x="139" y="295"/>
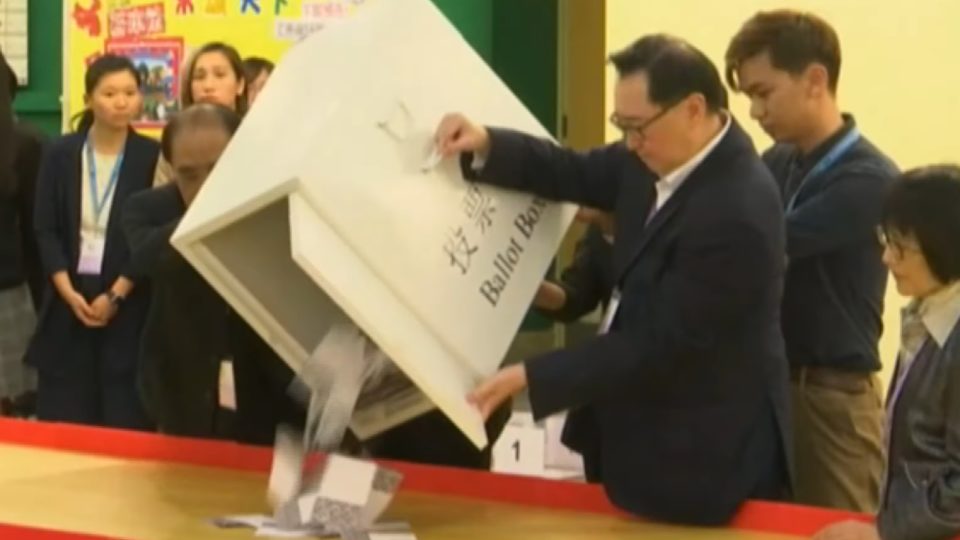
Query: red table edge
<point x="30" y="533"/>
<point x="757" y="516"/>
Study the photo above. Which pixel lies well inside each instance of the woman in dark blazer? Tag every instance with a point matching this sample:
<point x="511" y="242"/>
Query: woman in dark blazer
<point x="85" y="348"/>
<point x="920" y="499"/>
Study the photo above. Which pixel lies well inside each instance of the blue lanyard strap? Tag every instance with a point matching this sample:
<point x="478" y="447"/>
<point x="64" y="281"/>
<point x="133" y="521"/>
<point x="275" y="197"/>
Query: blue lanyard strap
<point x="829" y="160"/>
<point x="100" y="202"/>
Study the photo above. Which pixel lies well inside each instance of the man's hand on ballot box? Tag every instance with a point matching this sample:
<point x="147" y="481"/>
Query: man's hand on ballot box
<point x="502" y="386"/>
<point x="457" y="134"/>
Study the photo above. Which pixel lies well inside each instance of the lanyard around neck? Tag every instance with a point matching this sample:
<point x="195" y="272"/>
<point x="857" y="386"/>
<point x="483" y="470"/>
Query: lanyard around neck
<point x="829" y="160"/>
<point x="100" y="202"/>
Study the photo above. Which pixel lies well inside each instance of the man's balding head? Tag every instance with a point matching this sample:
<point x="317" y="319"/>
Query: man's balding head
<point x="201" y="115"/>
<point x="193" y="141"/>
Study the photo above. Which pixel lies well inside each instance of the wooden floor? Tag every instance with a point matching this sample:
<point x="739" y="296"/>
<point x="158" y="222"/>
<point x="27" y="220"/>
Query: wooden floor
<point x="159" y="501"/>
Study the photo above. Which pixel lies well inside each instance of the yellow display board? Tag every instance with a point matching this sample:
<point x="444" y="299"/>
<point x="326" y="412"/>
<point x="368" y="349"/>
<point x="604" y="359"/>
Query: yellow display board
<point x="159" y="36"/>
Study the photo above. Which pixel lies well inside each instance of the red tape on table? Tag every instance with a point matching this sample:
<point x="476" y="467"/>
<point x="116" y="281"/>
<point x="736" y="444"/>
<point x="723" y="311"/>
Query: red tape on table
<point x="28" y="533"/>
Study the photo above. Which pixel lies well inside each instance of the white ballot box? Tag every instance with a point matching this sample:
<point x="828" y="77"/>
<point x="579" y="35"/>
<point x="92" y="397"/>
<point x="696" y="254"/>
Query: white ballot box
<point x="326" y="207"/>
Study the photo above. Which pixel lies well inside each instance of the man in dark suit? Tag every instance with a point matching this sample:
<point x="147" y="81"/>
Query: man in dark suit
<point x="679" y="408"/>
<point x="192" y="340"/>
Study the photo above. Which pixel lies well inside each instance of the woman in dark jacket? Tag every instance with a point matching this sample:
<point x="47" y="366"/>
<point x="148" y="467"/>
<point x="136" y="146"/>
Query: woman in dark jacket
<point x="86" y="344"/>
<point x="921" y="496"/>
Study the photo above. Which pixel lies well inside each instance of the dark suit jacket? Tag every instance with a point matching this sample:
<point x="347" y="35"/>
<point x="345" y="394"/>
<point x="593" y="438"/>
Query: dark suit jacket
<point x="57" y="226"/>
<point x="19" y="256"/>
<point x="6" y="130"/>
<point x="10" y="271"/>
<point x="588" y="281"/>
<point x="189" y="330"/>
<point x="922" y="493"/>
<point x="28" y="153"/>
<point x="680" y="408"/>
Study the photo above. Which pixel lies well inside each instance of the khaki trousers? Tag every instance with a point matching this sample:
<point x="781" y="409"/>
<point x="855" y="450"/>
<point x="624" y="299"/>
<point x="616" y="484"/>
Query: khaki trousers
<point x="838" y="443"/>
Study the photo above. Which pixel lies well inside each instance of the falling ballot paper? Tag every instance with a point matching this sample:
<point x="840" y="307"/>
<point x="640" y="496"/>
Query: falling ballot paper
<point x="343" y="498"/>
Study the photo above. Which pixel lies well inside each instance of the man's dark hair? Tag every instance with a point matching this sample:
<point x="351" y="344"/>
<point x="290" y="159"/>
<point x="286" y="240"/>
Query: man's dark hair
<point x="674" y="68"/>
<point x="196" y="116"/>
<point x="925" y="204"/>
<point x="794" y="40"/>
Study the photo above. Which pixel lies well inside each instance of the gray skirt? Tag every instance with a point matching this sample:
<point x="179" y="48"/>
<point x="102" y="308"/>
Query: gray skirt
<point x="17" y="324"/>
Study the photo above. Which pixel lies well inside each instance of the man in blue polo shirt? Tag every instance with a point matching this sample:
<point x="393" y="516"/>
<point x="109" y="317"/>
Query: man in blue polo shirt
<point x="832" y="181"/>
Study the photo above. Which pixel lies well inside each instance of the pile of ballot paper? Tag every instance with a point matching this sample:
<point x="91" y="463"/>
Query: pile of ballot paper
<point x="344" y="497"/>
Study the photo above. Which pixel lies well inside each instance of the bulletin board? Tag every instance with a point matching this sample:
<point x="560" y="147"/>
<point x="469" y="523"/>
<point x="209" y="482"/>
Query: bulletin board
<point x="14" y="36"/>
<point x="160" y="35"/>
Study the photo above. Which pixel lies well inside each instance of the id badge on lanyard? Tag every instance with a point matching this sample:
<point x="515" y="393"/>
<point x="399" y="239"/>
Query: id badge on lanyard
<point x="93" y="241"/>
<point x="226" y="387"/>
<point x="829" y="160"/>
<point x="611" y="312"/>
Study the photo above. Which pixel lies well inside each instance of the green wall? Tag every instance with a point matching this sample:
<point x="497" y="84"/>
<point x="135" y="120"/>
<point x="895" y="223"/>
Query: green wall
<point x="525" y="57"/>
<point x="39" y="102"/>
<point x="518" y="38"/>
<point x="474" y="19"/>
<point x="525" y="54"/>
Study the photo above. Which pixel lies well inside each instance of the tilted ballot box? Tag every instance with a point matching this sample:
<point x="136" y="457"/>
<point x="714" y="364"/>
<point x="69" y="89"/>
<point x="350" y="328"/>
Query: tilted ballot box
<point x="327" y="208"/>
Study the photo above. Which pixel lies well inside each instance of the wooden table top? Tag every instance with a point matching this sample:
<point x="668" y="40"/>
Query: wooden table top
<point x="64" y="489"/>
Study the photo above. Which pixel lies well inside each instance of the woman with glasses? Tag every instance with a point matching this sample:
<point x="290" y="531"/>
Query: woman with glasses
<point x="920" y="233"/>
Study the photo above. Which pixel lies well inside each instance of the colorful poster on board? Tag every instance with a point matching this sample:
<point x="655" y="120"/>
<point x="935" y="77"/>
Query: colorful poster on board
<point x="160" y="35"/>
<point x="159" y="62"/>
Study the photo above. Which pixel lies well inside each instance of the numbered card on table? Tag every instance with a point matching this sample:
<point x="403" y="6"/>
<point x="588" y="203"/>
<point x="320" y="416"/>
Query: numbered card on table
<point x="521" y="448"/>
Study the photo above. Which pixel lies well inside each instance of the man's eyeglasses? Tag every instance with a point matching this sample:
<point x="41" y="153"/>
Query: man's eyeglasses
<point x="897" y="246"/>
<point x="638" y="129"/>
